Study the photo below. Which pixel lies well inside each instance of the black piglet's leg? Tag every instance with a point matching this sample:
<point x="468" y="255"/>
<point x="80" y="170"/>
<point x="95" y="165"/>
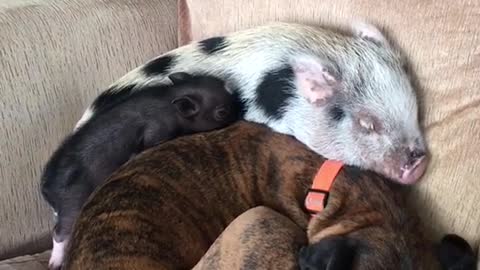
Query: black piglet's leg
<point x="68" y="212"/>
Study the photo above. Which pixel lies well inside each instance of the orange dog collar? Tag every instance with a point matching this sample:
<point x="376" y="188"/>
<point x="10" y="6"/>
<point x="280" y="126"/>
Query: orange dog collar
<point x="317" y="195"/>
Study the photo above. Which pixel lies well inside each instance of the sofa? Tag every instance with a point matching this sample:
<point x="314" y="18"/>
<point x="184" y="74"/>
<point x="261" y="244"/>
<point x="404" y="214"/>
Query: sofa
<point x="57" y="55"/>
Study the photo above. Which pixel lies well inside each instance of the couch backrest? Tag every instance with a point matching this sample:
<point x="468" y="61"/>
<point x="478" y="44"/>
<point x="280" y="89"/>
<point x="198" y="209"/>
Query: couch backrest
<point x="55" y="57"/>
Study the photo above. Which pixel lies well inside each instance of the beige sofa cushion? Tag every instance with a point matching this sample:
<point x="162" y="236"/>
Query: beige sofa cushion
<point x="442" y="40"/>
<point x="27" y="262"/>
<point x="55" y="57"/>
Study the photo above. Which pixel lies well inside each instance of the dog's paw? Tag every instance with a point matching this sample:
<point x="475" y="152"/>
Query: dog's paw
<point x="333" y="253"/>
<point x="454" y="253"/>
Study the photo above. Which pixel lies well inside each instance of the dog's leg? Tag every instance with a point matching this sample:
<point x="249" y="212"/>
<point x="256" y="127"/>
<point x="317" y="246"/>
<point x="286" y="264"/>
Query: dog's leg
<point x="260" y="238"/>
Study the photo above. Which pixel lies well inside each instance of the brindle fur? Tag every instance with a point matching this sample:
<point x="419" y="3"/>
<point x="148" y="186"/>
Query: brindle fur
<point x="165" y="208"/>
<point x="260" y="238"/>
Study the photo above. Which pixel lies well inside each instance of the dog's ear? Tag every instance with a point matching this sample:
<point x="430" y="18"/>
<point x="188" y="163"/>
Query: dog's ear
<point x="454" y="252"/>
<point x="333" y="253"/>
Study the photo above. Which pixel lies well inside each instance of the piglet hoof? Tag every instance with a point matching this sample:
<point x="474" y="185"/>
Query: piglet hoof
<point x="56" y="258"/>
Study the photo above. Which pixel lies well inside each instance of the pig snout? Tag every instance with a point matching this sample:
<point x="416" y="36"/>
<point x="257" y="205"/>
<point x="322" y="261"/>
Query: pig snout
<point x="407" y="166"/>
<point x="414" y="167"/>
<point x="404" y="166"/>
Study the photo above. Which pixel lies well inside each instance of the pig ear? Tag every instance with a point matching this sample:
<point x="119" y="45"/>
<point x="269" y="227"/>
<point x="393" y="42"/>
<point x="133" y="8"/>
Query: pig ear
<point x="179" y="77"/>
<point x="368" y="31"/>
<point x="314" y="80"/>
<point x="186" y="106"/>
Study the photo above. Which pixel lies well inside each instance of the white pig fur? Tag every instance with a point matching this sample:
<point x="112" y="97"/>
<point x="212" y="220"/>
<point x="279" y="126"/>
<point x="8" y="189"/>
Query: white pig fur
<point x="346" y="95"/>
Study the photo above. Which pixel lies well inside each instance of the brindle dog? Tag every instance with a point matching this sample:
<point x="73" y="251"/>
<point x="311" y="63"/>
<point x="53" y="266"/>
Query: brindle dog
<point x="262" y="239"/>
<point x="165" y="208"/>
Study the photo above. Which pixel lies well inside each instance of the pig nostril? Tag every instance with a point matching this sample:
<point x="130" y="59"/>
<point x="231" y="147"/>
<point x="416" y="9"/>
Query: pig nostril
<point x="416" y="154"/>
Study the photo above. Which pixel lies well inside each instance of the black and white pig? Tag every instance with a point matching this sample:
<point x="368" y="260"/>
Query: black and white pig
<point x="347" y="96"/>
<point x="87" y="157"/>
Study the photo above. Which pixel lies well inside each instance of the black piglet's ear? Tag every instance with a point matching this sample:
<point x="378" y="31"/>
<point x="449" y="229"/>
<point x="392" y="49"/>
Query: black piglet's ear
<point x="179" y="77"/>
<point x="186" y="106"/>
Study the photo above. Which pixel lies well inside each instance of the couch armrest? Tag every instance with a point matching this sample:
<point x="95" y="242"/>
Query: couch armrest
<point x="55" y="57"/>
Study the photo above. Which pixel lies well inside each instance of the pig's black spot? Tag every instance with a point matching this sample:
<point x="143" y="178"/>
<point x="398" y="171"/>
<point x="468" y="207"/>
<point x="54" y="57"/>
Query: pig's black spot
<point x="337" y="113"/>
<point x="111" y="97"/>
<point x="159" y="66"/>
<point x="115" y="95"/>
<point x="274" y="91"/>
<point x="213" y="45"/>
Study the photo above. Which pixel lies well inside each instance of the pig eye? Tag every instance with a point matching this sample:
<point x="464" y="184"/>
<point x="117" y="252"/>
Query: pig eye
<point x="369" y="126"/>
<point x="221" y="113"/>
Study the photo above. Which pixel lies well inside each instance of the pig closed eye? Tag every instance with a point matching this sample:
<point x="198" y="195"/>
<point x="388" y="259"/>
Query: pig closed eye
<point x="221" y="113"/>
<point x="367" y="125"/>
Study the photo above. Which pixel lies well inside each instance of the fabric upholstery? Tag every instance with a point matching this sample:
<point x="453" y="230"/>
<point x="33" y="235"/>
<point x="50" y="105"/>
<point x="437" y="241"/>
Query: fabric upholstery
<point x="27" y="262"/>
<point x="55" y="57"/>
<point x="442" y="40"/>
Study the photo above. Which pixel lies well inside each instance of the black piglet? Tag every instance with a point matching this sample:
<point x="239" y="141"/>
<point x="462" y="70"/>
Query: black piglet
<point x="86" y="158"/>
